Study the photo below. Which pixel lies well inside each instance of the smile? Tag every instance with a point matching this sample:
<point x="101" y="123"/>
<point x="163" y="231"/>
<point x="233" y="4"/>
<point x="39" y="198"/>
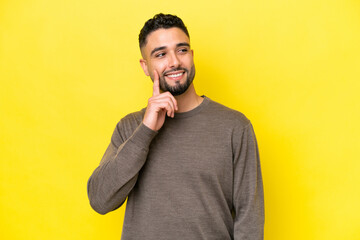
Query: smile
<point x="175" y="75"/>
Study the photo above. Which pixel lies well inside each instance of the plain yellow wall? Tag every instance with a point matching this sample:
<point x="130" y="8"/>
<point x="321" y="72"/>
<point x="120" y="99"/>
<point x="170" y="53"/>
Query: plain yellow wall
<point x="70" y="70"/>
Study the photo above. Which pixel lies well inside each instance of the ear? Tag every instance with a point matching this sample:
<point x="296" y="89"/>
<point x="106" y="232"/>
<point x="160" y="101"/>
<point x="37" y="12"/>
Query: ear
<point x="192" y="52"/>
<point x="144" y="66"/>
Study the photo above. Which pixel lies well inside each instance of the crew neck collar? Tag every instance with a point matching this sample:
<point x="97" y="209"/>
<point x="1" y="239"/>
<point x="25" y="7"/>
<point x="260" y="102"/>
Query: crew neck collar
<point x="194" y="111"/>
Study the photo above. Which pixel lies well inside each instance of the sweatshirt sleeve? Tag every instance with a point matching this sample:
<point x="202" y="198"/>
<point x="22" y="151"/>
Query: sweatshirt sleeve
<point x="248" y="197"/>
<point x="114" y="178"/>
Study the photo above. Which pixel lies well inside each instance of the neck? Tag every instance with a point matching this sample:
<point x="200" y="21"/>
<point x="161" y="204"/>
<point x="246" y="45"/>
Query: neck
<point x="188" y="100"/>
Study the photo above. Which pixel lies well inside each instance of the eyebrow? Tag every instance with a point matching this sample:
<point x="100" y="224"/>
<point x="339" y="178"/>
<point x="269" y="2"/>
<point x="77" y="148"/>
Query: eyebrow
<point x="163" y="47"/>
<point x="157" y="49"/>
<point x="183" y="44"/>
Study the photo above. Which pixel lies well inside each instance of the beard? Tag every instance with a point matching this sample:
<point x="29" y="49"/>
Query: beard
<point x="178" y="88"/>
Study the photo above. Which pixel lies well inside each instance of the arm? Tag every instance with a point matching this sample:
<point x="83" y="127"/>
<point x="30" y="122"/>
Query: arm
<point x="113" y="179"/>
<point x="248" y="197"/>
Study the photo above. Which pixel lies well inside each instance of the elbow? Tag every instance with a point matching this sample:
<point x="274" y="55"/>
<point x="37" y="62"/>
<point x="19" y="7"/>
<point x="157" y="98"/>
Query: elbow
<point x="100" y="203"/>
<point x="98" y="207"/>
<point x="103" y="207"/>
<point x="96" y="201"/>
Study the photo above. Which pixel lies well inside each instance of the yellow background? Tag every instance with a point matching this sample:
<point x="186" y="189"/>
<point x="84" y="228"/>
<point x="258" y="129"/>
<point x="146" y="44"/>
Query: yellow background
<point x="69" y="71"/>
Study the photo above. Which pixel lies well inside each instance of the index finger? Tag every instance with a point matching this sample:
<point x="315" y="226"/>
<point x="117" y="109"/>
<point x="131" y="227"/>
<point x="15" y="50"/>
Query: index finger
<point x="156" y="87"/>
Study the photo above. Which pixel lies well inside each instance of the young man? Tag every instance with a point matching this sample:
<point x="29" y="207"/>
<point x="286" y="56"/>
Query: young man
<point x="188" y="165"/>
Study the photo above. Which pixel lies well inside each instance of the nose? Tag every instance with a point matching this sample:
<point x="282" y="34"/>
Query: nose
<point x="173" y="61"/>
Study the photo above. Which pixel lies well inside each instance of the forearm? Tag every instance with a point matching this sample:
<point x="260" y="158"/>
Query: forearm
<point x="114" y="178"/>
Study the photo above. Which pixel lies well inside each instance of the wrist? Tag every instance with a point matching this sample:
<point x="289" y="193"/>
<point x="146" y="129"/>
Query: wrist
<point x="149" y="125"/>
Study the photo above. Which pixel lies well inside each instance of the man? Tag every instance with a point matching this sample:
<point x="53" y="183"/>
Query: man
<point x="188" y="165"/>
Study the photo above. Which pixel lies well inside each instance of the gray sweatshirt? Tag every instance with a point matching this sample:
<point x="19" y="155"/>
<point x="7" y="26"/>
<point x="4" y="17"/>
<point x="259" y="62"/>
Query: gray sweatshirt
<point x="198" y="177"/>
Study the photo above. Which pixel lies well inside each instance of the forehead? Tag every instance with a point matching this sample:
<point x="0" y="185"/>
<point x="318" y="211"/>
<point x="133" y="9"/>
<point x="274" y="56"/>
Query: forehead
<point x="165" y="38"/>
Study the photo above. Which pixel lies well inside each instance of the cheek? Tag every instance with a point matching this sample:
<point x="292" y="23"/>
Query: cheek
<point x="160" y="67"/>
<point x="189" y="61"/>
<point x="157" y="67"/>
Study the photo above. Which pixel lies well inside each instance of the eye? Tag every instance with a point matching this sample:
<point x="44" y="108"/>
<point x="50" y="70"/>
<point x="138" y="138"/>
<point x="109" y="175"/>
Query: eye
<point x="183" y="50"/>
<point x="159" y="55"/>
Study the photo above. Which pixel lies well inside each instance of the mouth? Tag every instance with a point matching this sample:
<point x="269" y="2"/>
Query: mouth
<point x="175" y="75"/>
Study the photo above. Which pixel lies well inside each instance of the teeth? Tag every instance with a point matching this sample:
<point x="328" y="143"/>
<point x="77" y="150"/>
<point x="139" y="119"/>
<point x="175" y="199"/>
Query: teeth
<point x="175" y="75"/>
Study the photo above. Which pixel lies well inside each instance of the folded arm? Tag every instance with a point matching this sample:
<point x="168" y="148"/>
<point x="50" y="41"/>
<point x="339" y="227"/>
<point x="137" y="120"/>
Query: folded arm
<point x="114" y="178"/>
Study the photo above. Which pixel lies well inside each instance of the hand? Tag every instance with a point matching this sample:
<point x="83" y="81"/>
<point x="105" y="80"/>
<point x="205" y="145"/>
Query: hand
<point x="159" y="105"/>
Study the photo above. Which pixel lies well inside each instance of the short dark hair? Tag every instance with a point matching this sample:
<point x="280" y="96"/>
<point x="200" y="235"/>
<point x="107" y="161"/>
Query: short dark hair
<point x="160" y="21"/>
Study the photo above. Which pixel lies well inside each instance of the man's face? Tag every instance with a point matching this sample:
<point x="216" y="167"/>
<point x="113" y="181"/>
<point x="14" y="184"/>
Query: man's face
<point x="168" y="52"/>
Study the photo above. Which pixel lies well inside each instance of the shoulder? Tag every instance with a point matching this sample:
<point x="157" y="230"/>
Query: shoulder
<point x="227" y="116"/>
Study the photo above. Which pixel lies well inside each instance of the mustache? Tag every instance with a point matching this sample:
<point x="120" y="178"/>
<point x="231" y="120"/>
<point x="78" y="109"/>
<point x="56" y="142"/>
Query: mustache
<point x="174" y="70"/>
